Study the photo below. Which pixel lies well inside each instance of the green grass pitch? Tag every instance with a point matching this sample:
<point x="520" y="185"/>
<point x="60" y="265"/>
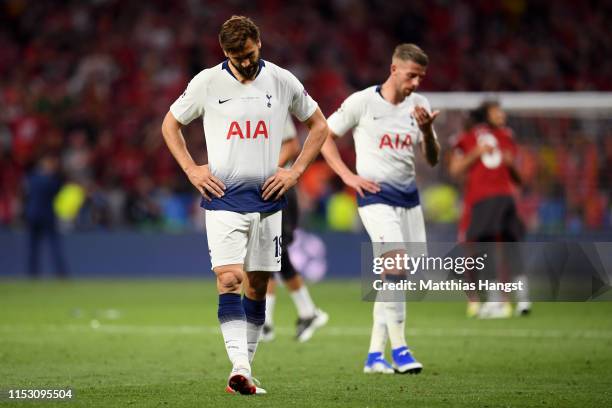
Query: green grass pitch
<point x="156" y="344"/>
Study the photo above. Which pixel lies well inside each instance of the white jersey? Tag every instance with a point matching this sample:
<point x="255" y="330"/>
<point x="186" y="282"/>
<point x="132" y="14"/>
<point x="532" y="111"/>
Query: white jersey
<point x="386" y="138"/>
<point x="290" y="133"/>
<point x="244" y="126"/>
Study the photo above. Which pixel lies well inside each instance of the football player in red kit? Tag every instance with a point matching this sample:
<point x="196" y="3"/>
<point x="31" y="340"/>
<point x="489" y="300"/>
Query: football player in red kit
<point x="484" y="157"/>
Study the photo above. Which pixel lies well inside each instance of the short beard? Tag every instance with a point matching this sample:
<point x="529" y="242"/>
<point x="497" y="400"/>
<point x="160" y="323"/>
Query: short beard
<point x="250" y="72"/>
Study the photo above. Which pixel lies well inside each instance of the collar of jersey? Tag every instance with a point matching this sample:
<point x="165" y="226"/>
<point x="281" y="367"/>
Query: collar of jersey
<point x="379" y="92"/>
<point x="225" y="66"/>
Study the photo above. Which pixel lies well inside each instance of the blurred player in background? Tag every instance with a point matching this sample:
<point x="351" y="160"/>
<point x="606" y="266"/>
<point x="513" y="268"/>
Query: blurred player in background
<point x="244" y="102"/>
<point x="484" y="157"/>
<point x="310" y="318"/>
<point x="41" y="187"/>
<point x="390" y="121"/>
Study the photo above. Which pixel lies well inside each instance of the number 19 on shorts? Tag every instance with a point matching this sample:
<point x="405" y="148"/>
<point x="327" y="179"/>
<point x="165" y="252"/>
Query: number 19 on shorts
<point x="278" y="242"/>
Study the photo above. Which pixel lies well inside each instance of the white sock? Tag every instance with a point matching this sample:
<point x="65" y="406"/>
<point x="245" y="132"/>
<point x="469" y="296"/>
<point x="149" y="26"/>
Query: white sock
<point x="270" y="302"/>
<point x="522" y="295"/>
<point x="495" y="295"/>
<point x="303" y="303"/>
<point x="235" y="337"/>
<point x="253" y="334"/>
<point x="378" y="340"/>
<point x="395" y="317"/>
<point x="255" y="313"/>
<point x="394" y="308"/>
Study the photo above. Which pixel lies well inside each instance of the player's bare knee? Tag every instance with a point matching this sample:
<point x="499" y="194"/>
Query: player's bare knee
<point x="229" y="280"/>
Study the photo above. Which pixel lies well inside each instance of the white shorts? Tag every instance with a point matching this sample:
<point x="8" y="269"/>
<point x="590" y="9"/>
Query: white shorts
<point x="252" y="239"/>
<point x="393" y="226"/>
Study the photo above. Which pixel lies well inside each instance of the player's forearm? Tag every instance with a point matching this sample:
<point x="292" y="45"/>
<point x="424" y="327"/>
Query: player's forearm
<point x="171" y="130"/>
<point x="432" y="148"/>
<point x="312" y="146"/>
<point x="311" y="149"/>
<point x="332" y="157"/>
<point x="459" y="164"/>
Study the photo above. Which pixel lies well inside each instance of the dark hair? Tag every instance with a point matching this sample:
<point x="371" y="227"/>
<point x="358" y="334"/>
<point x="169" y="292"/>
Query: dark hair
<point x="236" y="31"/>
<point x="481" y="113"/>
<point x="411" y="52"/>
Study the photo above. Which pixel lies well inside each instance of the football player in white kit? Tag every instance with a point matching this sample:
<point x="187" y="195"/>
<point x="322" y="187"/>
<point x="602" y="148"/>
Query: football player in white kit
<point x="390" y="123"/>
<point x="244" y="103"/>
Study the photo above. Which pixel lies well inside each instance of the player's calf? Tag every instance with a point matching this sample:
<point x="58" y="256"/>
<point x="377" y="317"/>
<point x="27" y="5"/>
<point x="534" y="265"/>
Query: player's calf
<point x="256" y="285"/>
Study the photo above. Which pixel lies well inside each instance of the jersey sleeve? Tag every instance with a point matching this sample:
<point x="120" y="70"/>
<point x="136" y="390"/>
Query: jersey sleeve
<point x="512" y="146"/>
<point x="301" y="104"/>
<point x="190" y="104"/>
<point x="347" y="116"/>
<point x="289" y="132"/>
<point x="461" y="145"/>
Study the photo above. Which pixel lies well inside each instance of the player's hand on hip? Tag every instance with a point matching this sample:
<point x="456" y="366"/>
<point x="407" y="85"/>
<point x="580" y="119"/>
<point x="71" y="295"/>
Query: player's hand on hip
<point x="279" y="183"/>
<point x="424" y="119"/>
<point x="207" y="184"/>
<point x="360" y="184"/>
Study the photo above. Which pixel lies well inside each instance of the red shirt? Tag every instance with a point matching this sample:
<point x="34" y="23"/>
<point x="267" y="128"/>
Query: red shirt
<point x="488" y="176"/>
<point x="27" y="134"/>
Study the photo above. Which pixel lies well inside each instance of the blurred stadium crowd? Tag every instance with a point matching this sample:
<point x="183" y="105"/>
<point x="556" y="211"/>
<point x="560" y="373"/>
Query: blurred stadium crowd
<point x="91" y="82"/>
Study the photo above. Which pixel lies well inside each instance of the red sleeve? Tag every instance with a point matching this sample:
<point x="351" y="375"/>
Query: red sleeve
<point x="510" y="141"/>
<point x="461" y="143"/>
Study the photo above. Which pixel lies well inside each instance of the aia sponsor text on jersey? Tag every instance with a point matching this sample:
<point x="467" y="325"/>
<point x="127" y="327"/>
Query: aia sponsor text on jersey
<point x="395" y="142"/>
<point x="247" y="131"/>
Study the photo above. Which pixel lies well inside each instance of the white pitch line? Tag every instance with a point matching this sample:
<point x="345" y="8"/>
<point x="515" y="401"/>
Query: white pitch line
<point x="336" y="331"/>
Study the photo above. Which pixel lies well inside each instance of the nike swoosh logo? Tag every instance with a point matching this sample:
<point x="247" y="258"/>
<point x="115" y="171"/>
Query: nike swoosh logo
<point x="225" y="100"/>
<point x="377" y="117"/>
